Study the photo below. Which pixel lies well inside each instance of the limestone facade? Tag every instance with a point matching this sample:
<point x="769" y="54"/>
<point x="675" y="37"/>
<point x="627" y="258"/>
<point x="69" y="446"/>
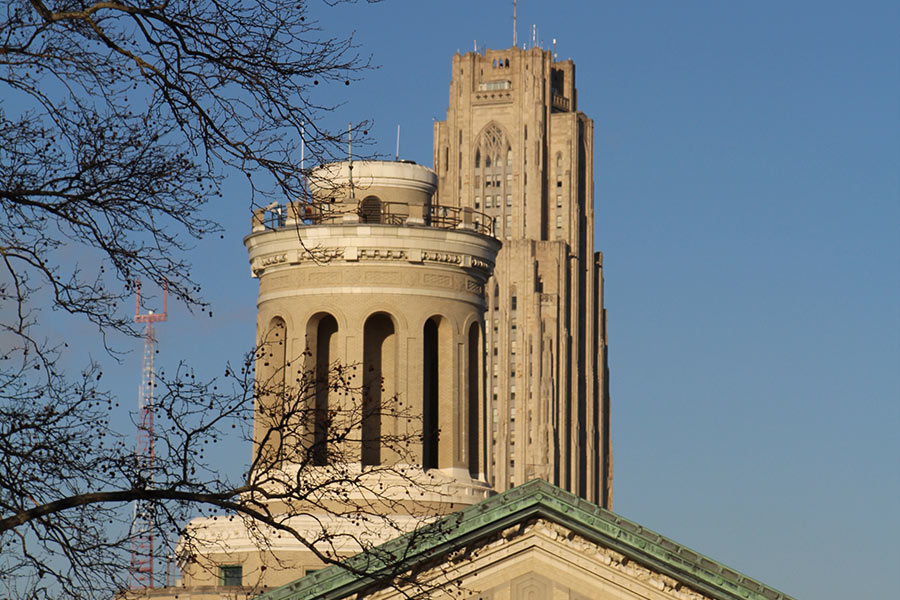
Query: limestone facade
<point x="374" y="280"/>
<point x="515" y="147"/>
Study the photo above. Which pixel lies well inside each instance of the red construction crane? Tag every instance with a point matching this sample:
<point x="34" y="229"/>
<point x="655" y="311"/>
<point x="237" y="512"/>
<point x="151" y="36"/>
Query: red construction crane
<point x="142" y="526"/>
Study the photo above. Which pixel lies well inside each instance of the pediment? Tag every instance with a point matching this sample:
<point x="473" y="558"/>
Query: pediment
<point x="535" y="541"/>
<point x="542" y="560"/>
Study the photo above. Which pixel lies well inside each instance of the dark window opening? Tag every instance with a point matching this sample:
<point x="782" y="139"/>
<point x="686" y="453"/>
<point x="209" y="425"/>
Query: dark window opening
<point x="474" y="353"/>
<point x="378" y="381"/>
<point x="430" y="370"/>
<point x="326" y="331"/>
<point x="231" y="575"/>
<point x="370" y="210"/>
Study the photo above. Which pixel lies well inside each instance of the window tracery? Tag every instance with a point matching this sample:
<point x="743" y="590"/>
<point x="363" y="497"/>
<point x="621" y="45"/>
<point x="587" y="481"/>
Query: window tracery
<point x="494" y="175"/>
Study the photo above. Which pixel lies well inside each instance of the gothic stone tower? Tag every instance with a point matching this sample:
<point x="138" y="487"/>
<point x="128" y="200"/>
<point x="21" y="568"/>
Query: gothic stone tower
<point x="515" y="147"/>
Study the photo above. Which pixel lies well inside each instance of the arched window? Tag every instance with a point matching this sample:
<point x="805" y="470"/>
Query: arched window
<point x="473" y="400"/>
<point x="493" y="178"/>
<point x="321" y="337"/>
<point x="430" y="390"/>
<point x="370" y="210"/>
<point x="270" y="377"/>
<point x="440" y="420"/>
<point x="379" y="368"/>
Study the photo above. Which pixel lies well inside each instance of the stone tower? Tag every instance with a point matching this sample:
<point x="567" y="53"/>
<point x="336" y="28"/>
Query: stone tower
<point x="369" y="299"/>
<point x="515" y="147"/>
<point x="370" y="275"/>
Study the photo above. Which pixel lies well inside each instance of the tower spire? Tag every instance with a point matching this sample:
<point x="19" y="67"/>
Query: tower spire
<point x="515" y="41"/>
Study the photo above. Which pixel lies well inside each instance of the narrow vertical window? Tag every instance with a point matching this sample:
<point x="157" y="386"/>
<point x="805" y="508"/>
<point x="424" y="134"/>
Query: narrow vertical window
<point x="270" y="396"/>
<point x="474" y="378"/>
<point x="323" y="348"/>
<point x="379" y="356"/>
<point x="430" y="372"/>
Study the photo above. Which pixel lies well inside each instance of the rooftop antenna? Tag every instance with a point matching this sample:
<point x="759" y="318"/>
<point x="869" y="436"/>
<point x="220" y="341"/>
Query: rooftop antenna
<point x="397" y="154"/>
<point x="302" y="152"/>
<point x="533" y="34"/>
<point x="142" y="523"/>
<point x="515" y="42"/>
<point x="350" y="154"/>
<point x="475" y="46"/>
<point x="554" y="48"/>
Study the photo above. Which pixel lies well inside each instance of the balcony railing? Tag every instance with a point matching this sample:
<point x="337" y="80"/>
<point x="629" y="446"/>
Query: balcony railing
<point x="300" y="214"/>
<point x="559" y="102"/>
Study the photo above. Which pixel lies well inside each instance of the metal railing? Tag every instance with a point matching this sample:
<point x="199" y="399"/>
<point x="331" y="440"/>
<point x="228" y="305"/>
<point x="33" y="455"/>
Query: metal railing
<point x="301" y="214"/>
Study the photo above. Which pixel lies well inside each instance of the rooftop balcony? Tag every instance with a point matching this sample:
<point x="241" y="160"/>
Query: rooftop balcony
<point x="558" y="102"/>
<point x="372" y="211"/>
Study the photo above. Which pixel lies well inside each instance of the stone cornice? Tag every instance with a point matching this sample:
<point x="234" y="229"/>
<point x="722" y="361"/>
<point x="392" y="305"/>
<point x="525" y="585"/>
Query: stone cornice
<point x="325" y="245"/>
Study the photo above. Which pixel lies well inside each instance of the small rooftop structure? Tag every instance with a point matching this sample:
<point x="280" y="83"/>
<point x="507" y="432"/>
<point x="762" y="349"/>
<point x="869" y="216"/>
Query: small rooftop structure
<point x="374" y="193"/>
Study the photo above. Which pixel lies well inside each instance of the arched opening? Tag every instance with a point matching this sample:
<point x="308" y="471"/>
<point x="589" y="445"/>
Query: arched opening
<point x="431" y="382"/>
<point x="370" y="210"/>
<point x="268" y="426"/>
<point x="473" y="397"/>
<point x="379" y="368"/>
<point x="443" y="407"/>
<point x="321" y="335"/>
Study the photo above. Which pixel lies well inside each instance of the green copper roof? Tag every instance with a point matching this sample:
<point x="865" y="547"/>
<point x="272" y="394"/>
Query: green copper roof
<point x="534" y="499"/>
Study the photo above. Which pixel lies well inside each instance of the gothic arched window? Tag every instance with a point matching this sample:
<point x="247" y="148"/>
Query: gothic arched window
<point x="494" y="175"/>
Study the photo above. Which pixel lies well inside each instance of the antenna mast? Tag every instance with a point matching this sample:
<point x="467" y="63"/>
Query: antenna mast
<point x="142" y="524"/>
<point x="350" y="154"/>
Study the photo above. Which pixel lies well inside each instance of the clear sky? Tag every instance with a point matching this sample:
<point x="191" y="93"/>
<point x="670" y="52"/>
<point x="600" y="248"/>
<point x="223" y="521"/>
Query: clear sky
<point x="747" y="194"/>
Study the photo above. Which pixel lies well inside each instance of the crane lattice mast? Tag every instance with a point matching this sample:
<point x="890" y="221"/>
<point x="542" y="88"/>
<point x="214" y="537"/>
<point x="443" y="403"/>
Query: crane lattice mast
<point x="142" y="525"/>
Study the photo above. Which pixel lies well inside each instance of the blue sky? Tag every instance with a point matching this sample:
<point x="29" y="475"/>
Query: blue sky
<point x="747" y="194"/>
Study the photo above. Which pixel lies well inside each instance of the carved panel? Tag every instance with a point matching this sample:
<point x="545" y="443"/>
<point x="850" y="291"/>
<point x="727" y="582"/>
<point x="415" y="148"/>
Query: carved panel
<point x="324" y="277"/>
<point x="436" y="280"/>
<point x="382" y="277"/>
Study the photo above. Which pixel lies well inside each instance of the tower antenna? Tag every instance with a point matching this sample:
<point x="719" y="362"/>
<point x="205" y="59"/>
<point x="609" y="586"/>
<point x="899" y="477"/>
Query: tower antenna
<point x="514" y="24"/>
<point x="350" y="154"/>
<point x="397" y="155"/>
<point x="142" y="523"/>
<point x="302" y="152"/>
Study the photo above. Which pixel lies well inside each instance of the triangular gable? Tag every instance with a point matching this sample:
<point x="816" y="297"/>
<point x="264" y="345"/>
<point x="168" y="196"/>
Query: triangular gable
<point x="534" y="502"/>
